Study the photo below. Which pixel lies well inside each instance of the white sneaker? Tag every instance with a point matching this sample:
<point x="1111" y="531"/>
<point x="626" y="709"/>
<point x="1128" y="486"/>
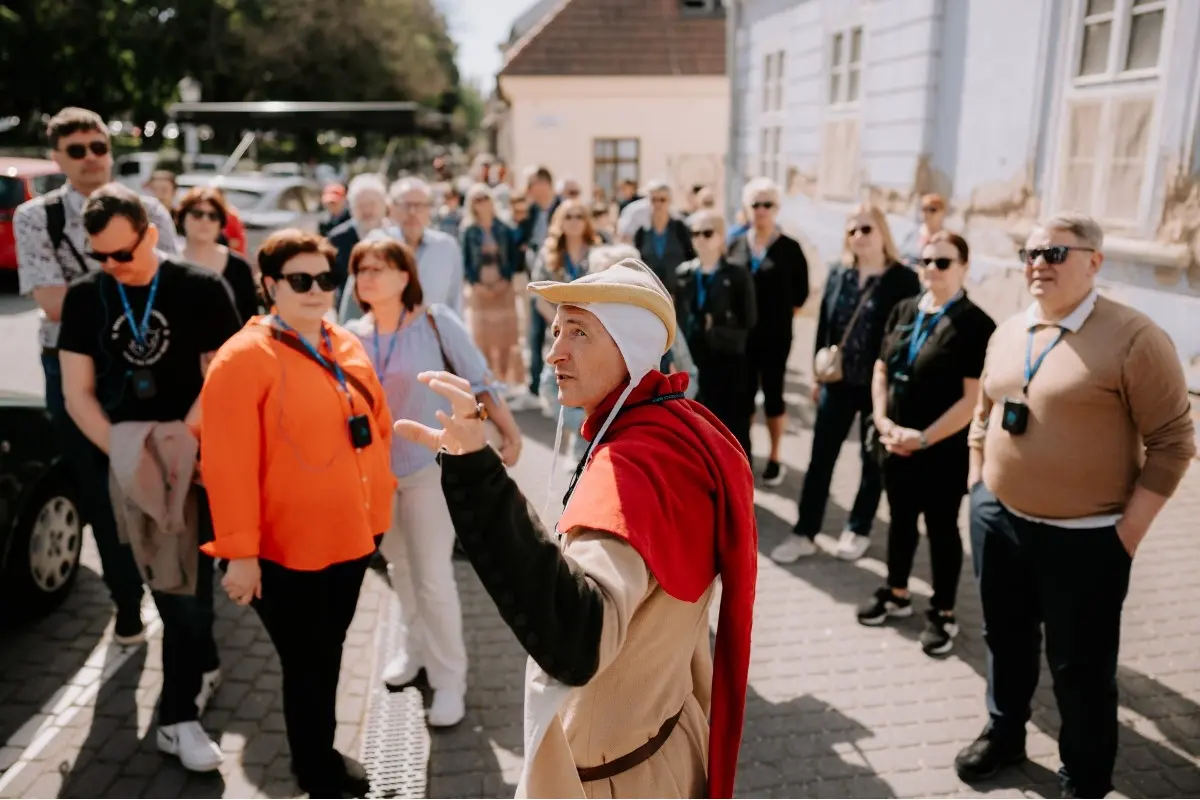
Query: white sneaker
<point x="793" y="548"/>
<point x="209" y="682"/>
<point x="401" y="671"/>
<point x="196" y="751"/>
<point x="852" y="547"/>
<point x="524" y="401"/>
<point x="448" y="709"/>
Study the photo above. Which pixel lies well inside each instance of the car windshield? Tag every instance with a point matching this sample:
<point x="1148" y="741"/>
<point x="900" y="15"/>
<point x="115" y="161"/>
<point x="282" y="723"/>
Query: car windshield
<point x="12" y="193"/>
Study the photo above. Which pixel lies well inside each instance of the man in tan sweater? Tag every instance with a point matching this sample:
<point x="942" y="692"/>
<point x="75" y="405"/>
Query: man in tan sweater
<point x="1081" y="434"/>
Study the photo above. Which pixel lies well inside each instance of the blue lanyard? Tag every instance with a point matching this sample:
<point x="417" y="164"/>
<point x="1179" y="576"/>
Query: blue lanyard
<point x="1032" y="367"/>
<point x="381" y="369"/>
<point x="756" y="260"/>
<point x="921" y="334"/>
<point x="569" y="266"/>
<point x="329" y="363"/>
<point x="140" y="330"/>
<point x="702" y="283"/>
<point x="659" y="240"/>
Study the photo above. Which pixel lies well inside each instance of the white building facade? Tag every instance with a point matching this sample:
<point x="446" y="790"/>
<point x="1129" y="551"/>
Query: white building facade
<point x="1010" y="109"/>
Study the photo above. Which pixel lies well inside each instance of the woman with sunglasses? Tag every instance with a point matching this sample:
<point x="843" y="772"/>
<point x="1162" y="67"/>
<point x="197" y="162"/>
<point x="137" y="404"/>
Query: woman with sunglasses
<point x="924" y="388"/>
<point x="780" y="274"/>
<point x="295" y="450"/>
<point x="716" y="311"/>
<point x="859" y="296"/>
<point x="490" y="259"/>
<point x="202" y="215"/>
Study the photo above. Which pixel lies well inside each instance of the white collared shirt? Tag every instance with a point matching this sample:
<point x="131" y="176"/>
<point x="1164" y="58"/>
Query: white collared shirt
<point x="1071" y="322"/>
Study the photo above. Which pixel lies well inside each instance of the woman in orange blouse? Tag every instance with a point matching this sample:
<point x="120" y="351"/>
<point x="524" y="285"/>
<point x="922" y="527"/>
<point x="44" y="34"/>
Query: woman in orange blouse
<point x="295" y="456"/>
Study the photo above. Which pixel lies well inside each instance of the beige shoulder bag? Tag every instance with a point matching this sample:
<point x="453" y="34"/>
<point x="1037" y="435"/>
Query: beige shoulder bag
<point x="827" y="364"/>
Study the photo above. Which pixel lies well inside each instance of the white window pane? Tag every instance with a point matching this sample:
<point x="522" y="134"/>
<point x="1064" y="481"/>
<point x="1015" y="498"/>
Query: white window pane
<point x="627" y="149"/>
<point x="835" y="87"/>
<point x="1145" y="38"/>
<point x="779" y="62"/>
<point x="1094" y="58"/>
<point x="1145" y="2"/>
<point x="855" y="45"/>
<point x="627" y="171"/>
<point x="836" y="56"/>
<point x="1080" y="168"/>
<point x="1100" y="6"/>
<point x="852" y="86"/>
<point x="604" y="148"/>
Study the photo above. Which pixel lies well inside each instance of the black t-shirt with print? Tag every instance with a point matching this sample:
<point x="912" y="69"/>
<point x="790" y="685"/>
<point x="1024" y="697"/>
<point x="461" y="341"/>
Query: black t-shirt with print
<point x="954" y="350"/>
<point x="193" y="314"/>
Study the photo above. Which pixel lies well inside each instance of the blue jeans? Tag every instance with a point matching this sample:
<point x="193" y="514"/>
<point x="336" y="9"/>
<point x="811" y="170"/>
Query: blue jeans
<point x="837" y="408"/>
<point x="537" y="340"/>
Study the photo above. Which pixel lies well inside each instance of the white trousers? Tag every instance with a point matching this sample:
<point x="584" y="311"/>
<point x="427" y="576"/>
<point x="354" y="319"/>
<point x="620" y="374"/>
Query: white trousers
<point x="419" y="548"/>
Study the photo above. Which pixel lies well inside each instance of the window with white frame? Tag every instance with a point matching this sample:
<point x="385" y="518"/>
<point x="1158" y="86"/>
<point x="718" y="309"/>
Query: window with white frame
<point x="770" y="159"/>
<point x="845" y="66"/>
<point x="838" y="172"/>
<point x="771" y="116"/>
<point x="1110" y="105"/>
<point x="772" y="82"/>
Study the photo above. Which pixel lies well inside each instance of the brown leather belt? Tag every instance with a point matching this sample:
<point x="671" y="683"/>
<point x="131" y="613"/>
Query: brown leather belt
<point x="632" y="759"/>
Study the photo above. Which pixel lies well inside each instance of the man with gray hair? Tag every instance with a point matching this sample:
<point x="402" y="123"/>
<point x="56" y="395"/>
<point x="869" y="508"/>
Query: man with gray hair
<point x="1082" y="433"/>
<point x="367" y="196"/>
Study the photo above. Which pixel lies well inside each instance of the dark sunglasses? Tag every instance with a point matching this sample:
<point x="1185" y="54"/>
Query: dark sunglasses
<point x="660" y="200"/>
<point x="1053" y="255"/>
<point x="931" y="209"/>
<point x="120" y="256"/>
<point x="200" y="213"/>
<point x="707" y="234"/>
<point x="576" y="217"/>
<point x="302" y="282"/>
<point x="865" y="230"/>
<point x="942" y="264"/>
<point x="763" y="204"/>
<point x="79" y="151"/>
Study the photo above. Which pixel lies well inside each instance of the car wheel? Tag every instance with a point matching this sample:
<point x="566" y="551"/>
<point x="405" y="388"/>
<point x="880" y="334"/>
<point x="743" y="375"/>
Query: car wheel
<point x="43" y="559"/>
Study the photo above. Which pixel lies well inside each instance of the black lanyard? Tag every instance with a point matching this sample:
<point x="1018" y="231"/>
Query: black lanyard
<point x="653" y="401"/>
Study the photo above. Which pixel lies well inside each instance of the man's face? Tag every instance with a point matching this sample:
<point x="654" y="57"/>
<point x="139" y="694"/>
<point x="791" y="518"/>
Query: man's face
<point x="660" y="202"/>
<point x="163" y="190"/>
<point x="411" y="210"/>
<point x="85" y="157"/>
<point x="541" y="191"/>
<point x="124" y="251"/>
<point x="333" y="203"/>
<point x="587" y="362"/>
<point x="370" y="209"/>
<point x="1058" y="285"/>
<point x="572" y="190"/>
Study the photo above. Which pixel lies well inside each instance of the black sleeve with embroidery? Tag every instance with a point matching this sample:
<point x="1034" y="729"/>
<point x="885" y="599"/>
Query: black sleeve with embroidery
<point x="555" y="612"/>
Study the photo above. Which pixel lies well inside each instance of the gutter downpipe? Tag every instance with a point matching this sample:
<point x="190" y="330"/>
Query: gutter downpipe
<point x="733" y="193"/>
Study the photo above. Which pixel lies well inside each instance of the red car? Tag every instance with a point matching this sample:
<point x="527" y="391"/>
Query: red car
<point x="21" y="179"/>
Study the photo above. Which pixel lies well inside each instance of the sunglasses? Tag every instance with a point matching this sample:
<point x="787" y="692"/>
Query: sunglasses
<point x="80" y="151"/>
<point x="931" y="209"/>
<point x="302" y="282"/>
<point x="942" y="264"/>
<point x="768" y="204"/>
<point x="120" y="256"/>
<point x="1052" y="255"/>
<point x="865" y="230"/>
<point x="575" y="217"/>
<point x="660" y="200"/>
<point x="200" y="213"/>
<point x="706" y="234"/>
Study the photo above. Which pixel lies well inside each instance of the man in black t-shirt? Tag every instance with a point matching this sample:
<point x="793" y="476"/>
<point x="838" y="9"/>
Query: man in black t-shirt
<point x="136" y="339"/>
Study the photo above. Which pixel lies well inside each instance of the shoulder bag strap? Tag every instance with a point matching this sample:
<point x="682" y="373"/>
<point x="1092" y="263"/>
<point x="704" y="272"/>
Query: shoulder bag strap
<point x="56" y="227"/>
<point x="290" y="341"/>
<point x="861" y="303"/>
<point x="438" y="335"/>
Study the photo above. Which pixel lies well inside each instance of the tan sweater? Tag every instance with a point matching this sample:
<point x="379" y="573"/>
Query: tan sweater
<point x="1107" y="410"/>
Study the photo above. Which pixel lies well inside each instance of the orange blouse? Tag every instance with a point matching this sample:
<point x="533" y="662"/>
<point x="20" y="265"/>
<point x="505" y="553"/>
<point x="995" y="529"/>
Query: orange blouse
<point x="284" y="481"/>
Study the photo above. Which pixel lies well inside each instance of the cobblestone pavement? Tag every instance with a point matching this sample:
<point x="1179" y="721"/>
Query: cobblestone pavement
<point x="834" y="709"/>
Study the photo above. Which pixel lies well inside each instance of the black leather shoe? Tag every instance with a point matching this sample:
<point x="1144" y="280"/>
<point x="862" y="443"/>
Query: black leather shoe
<point x="986" y="756"/>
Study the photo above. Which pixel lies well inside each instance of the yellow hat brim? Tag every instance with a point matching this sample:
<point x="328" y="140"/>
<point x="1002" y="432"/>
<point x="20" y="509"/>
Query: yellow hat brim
<point x="581" y="293"/>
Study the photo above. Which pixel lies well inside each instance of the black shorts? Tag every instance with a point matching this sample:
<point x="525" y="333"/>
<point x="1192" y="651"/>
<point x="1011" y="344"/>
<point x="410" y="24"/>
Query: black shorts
<point x="766" y="367"/>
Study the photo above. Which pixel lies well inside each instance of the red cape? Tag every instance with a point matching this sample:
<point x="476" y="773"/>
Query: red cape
<point x="671" y="480"/>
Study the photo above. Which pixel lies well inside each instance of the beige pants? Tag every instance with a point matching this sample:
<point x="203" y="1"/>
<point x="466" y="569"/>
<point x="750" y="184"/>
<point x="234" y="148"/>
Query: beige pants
<point x="419" y="548"/>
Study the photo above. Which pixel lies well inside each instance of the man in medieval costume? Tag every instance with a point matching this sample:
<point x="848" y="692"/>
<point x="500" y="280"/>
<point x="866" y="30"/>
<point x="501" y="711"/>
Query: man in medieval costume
<point x="623" y="697"/>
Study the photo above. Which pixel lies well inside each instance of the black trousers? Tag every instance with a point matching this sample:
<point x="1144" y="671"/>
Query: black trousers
<point x="1074" y="582"/>
<point x="722" y="390"/>
<point x="306" y="615"/>
<point x="926" y="484"/>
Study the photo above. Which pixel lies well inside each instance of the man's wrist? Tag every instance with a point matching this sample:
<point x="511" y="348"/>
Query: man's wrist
<point x="924" y="439"/>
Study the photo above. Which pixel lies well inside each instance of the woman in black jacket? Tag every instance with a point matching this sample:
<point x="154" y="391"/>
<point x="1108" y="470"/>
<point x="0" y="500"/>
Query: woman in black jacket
<point x="780" y="274"/>
<point x="859" y="297"/>
<point x="715" y="307"/>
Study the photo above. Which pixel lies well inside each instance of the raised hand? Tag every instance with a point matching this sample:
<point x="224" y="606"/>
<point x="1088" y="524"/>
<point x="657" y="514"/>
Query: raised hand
<point x="463" y="430"/>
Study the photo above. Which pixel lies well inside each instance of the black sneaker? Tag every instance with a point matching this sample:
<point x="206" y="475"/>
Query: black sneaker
<point x="985" y="756"/>
<point x="883" y="604"/>
<point x="938" y="637"/>
<point x="129" y="629"/>
<point x="774" y="474"/>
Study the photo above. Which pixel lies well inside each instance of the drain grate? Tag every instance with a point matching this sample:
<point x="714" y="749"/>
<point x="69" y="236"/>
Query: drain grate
<point x="395" y="748"/>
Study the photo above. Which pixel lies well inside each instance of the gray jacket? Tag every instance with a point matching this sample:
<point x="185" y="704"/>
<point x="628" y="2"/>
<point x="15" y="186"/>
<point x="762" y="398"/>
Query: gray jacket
<point x="152" y="467"/>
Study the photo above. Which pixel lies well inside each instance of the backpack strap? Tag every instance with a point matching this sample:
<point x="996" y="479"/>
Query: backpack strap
<point x="56" y="227"/>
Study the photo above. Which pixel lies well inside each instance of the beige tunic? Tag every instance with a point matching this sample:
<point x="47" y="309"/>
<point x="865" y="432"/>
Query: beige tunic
<point x="654" y="660"/>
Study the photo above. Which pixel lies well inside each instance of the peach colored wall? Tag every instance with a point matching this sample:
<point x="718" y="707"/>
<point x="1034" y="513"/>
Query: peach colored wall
<point x="682" y="122"/>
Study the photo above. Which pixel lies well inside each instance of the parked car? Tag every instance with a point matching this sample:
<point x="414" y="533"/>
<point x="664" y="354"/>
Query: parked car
<point x="21" y="179"/>
<point x="134" y="169"/>
<point x="41" y="526"/>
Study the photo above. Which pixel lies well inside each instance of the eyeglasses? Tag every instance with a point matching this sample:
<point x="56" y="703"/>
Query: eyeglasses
<point x="931" y="209"/>
<point x="705" y="234"/>
<point x="660" y="200"/>
<point x="768" y="204"/>
<point x="942" y="264"/>
<point x="573" y="218"/>
<point x="1052" y="255"/>
<point x="120" y="256"/>
<point x="201" y="213"/>
<point x="80" y="151"/>
<point x="302" y="282"/>
<point x="865" y="230"/>
<point x="410" y="207"/>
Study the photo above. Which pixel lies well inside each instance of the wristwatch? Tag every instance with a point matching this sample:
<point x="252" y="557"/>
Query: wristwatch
<point x="924" y="441"/>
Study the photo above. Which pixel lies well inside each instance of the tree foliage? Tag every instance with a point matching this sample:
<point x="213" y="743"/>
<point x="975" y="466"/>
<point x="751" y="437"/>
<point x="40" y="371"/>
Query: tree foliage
<point x="126" y="57"/>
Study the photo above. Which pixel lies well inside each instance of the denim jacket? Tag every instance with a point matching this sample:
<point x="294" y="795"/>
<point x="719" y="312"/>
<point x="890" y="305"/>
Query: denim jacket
<point x="506" y="250"/>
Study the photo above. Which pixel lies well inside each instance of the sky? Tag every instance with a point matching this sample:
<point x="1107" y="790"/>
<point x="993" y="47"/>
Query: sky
<point x="478" y="27"/>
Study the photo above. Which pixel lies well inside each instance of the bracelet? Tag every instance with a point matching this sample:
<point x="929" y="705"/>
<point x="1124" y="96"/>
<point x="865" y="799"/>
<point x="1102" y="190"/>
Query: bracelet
<point x="924" y="441"/>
